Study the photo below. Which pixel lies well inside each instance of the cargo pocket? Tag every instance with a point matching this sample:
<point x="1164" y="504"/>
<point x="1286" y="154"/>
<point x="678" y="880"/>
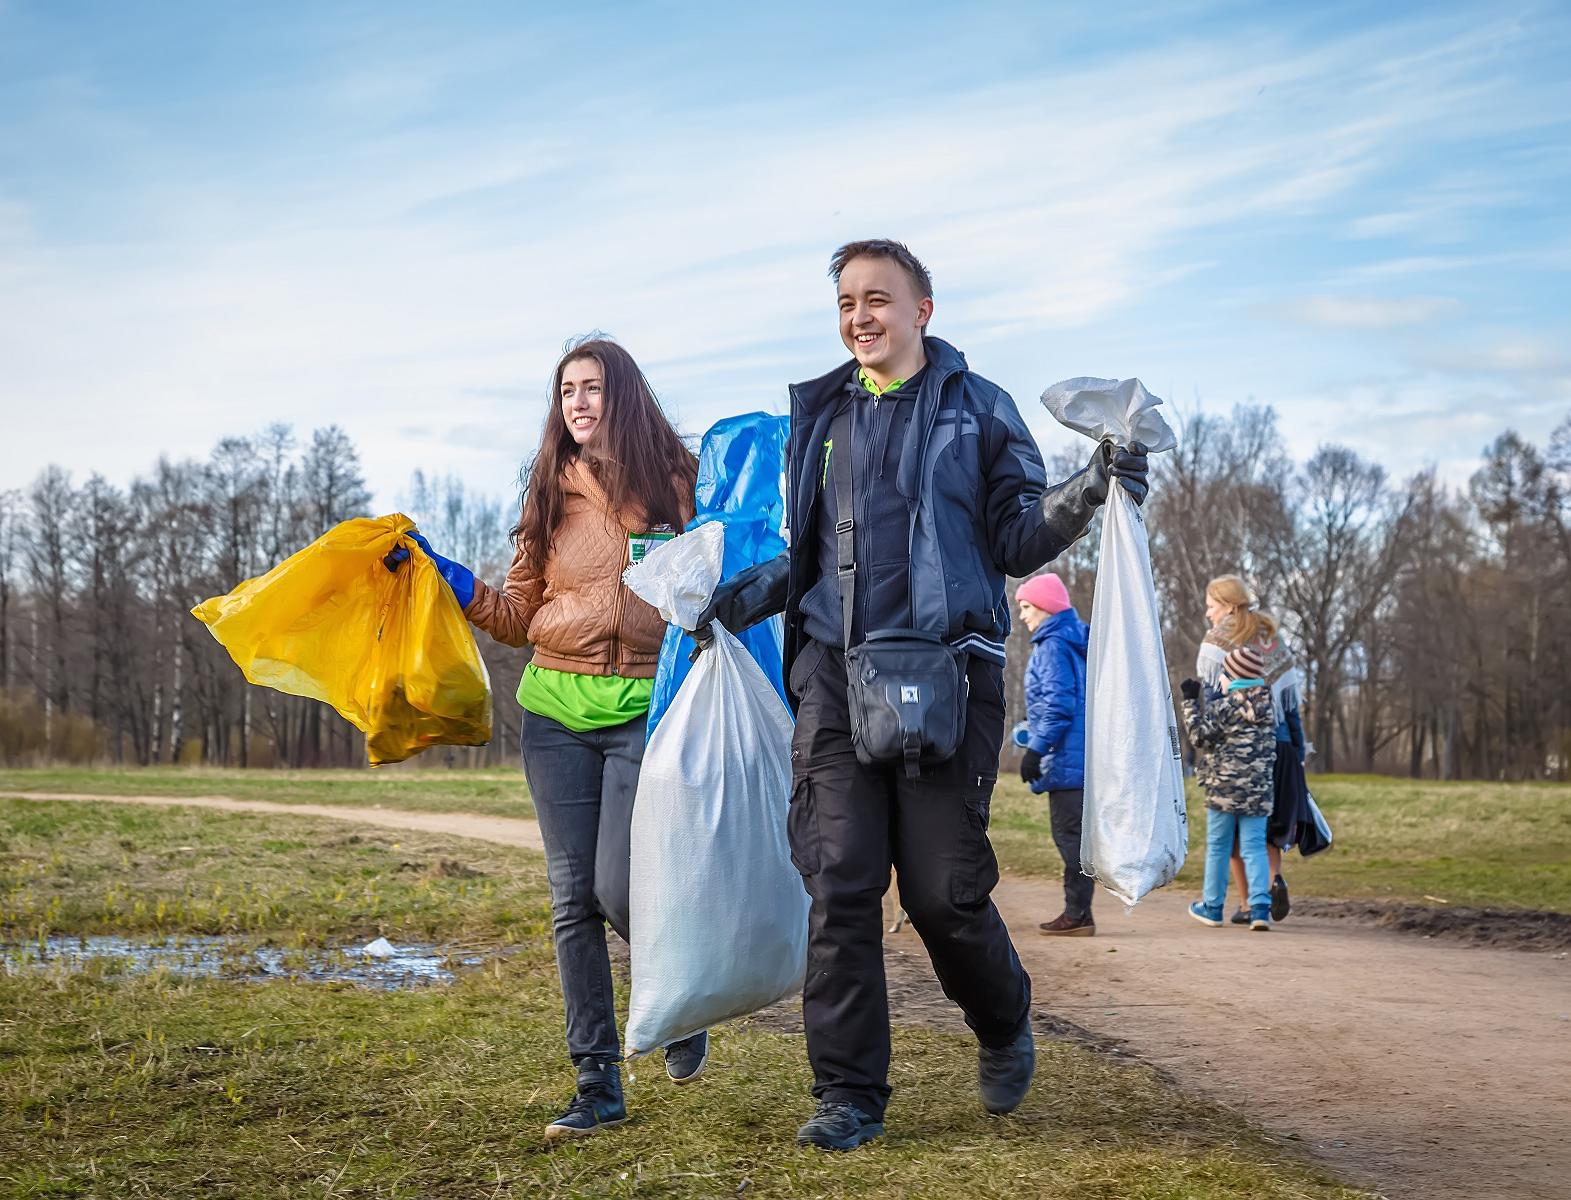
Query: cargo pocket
<point x="976" y="872"/>
<point x="802" y="828"/>
<point x="807" y="661"/>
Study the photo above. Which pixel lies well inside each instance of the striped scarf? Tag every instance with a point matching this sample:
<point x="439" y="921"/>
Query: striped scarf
<point x="1280" y="673"/>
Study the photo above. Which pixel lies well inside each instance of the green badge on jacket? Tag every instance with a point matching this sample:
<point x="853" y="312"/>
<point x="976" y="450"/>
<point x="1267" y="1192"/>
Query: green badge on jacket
<point x="640" y="544"/>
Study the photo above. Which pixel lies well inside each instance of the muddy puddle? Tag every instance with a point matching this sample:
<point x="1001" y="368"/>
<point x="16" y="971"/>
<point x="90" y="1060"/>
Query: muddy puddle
<point x="385" y="966"/>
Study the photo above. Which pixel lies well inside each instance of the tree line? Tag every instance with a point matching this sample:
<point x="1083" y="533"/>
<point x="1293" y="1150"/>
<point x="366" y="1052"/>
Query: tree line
<point x="100" y="658"/>
<point x="1432" y="623"/>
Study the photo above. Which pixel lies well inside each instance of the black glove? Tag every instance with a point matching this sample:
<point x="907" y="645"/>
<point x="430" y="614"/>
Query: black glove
<point x="1190" y="689"/>
<point x="745" y="599"/>
<point x="1126" y="464"/>
<point x="1030" y="767"/>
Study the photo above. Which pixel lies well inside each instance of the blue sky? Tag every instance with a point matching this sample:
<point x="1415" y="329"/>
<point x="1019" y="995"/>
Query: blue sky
<point x="214" y="216"/>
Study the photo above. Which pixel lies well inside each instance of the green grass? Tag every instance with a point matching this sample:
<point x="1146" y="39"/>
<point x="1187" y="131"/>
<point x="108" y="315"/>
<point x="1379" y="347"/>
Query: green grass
<point x="1486" y="844"/>
<point x="501" y="793"/>
<point x="156" y="1085"/>
<point x="133" y="871"/>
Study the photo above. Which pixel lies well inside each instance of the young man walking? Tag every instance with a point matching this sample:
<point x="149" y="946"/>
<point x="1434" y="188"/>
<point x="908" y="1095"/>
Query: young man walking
<point x="914" y="487"/>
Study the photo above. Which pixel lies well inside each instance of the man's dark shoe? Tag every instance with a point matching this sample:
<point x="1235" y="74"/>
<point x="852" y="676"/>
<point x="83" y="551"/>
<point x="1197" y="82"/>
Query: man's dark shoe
<point x="1004" y="1073"/>
<point x="838" y="1126"/>
<point x="685" y="1060"/>
<point x="1064" y="925"/>
<point x="1280" y="904"/>
<point x="597" y="1105"/>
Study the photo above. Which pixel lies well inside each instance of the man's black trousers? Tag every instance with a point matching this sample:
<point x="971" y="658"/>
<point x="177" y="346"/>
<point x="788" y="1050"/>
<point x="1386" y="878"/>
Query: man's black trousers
<point x="848" y="824"/>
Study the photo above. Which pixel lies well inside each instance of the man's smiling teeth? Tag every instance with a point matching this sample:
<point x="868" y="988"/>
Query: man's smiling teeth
<point x="864" y="338"/>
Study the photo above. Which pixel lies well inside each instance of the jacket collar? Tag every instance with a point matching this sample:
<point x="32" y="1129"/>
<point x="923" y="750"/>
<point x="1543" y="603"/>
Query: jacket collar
<point x="577" y="477"/>
<point x="1060" y="622"/>
<point x="943" y="360"/>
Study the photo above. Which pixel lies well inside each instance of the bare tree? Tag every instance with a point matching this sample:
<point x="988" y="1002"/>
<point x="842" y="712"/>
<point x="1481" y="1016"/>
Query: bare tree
<point x="11" y="529"/>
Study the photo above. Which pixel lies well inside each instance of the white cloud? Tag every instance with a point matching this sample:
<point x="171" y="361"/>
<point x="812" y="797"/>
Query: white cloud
<point x="424" y="277"/>
<point x="1368" y="312"/>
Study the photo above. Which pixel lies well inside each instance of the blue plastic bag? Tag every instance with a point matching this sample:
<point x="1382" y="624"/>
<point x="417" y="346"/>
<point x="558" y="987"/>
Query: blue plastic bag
<point x="740" y="465"/>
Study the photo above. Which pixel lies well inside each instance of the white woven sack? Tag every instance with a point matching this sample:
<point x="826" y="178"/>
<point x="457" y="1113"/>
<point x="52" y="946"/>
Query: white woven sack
<point x="718" y="912"/>
<point x="1134" y="830"/>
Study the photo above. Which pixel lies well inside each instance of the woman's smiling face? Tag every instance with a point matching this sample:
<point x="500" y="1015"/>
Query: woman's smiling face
<point x="583" y="398"/>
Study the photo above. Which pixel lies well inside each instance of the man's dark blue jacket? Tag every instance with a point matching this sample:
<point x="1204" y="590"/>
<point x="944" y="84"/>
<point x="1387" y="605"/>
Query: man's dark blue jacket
<point x="971" y="480"/>
<point x="1055" y="688"/>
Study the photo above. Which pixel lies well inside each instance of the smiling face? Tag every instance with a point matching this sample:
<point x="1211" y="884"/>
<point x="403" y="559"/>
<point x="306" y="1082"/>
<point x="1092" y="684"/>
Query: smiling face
<point x="582" y="398"/>
<point x="882" y="318"/>
<point x="1031" y="616"/>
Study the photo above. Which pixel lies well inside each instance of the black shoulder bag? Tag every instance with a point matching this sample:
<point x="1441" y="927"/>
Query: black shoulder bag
<point x="906" y="688"/>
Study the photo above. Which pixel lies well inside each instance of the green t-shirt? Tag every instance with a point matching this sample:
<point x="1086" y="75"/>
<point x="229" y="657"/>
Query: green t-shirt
<point x="865" y="381"/>
<point x="583" y="702"/>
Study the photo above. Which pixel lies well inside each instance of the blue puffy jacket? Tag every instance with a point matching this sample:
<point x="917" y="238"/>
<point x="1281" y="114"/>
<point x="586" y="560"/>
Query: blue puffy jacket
<point x="1056" y="701"/>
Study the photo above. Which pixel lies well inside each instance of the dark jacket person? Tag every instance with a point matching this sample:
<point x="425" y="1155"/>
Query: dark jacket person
<point x="948" y="495"/>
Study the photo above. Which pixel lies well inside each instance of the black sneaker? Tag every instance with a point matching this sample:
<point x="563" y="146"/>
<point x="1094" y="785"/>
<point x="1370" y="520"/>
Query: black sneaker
<point x="685" y="1060"/>
<point x="838" y="1126"/>
<point x="1004" y="1072"/>
<point x="1280" y="904"/>
<point x="1240" y="917"/>
<point x="597" y="1105"/>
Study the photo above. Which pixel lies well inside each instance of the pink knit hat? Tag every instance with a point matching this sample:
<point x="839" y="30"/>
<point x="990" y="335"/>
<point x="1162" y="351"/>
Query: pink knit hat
<point x="1046" y="592"/>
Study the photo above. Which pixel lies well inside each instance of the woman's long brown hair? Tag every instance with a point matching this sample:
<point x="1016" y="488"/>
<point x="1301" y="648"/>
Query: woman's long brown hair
<point x="639" y="459"/>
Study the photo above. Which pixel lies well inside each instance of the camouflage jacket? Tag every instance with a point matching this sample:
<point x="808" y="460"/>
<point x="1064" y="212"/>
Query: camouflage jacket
<point x="1236" y="737"/>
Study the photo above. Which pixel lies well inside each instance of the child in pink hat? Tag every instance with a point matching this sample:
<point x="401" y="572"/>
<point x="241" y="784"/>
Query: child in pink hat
<point x="1054" y="762"/>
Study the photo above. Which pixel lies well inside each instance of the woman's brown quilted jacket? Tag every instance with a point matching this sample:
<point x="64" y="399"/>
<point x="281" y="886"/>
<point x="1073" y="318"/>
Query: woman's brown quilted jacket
<point x="577" y="613"/>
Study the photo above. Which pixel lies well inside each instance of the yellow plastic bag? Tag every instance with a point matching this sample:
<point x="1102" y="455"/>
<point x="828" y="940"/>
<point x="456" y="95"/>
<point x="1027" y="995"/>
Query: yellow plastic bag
<point x="390" y="650"/>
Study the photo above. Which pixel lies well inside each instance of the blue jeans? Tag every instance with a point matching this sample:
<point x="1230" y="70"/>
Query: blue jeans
<point x="583" y="785"/>
<point x="1251" y="831"/>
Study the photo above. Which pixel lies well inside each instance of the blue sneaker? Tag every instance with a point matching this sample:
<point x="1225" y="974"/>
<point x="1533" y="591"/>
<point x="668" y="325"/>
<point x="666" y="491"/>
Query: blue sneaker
<point x="1004" y="1072"/>
<point x="1260" y="918"/>
<point x="1206" y="914"/>
<point x="838" y="1126"/>
<point x="685" y="1060"/>
<point x="597" y="1105"/>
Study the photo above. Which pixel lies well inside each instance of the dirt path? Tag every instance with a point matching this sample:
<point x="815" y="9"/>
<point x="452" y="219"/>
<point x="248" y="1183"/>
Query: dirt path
<point x="1412" y="1066"/>
<point x="507" y="831"/>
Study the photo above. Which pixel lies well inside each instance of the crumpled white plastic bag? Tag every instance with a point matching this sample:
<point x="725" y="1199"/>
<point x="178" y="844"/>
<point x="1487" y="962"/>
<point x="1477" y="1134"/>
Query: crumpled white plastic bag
<point x="1120" y="409"/>
<point x="718" y="912"/>
<point x="679" y="576"/>
<point x="1134" y="830"/>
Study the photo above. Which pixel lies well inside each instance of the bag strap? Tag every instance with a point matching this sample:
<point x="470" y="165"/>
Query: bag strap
<point x="845" y="522"/>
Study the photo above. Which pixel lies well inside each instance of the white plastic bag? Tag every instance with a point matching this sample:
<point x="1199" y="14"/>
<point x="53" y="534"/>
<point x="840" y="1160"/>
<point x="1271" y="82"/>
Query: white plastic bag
<point x="1134" y="831"/>
<point x="718" y="913"/>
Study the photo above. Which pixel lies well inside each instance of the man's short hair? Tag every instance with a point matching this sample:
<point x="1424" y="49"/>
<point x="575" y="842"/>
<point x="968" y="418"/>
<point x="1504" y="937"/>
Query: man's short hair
<point x="896" y="252"/>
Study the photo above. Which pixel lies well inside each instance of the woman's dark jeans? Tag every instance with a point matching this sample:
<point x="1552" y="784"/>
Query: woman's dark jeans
<point x="583" y="786"/>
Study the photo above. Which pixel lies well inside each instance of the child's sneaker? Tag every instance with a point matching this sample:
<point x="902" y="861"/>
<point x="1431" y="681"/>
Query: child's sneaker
<point x="1240" y="917"/>
<point x="1260" y="918"/>
<point x="1207" y="914"/>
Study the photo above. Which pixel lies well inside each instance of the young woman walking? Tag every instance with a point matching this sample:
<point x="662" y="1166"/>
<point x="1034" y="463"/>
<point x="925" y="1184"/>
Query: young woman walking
<point x="611" y="478"/>
<point x="1235" y="621"/>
